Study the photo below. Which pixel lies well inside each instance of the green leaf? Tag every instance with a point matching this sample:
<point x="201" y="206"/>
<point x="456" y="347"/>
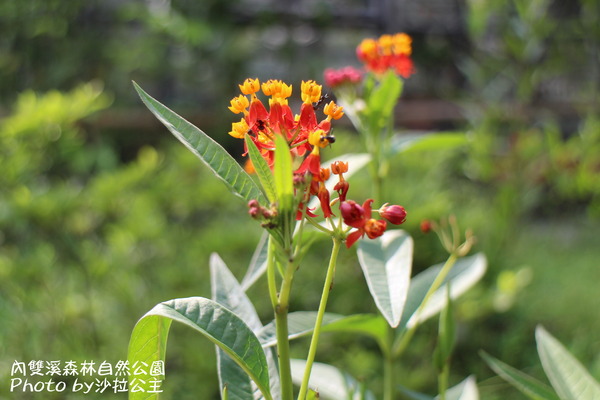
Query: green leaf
<point x="301" y="323"/>
<point x="227" y="291"/>
<point x="411" y="394"/>
<point x="567" y="376"/>
<point x="148" y="344"/>
<point x="330" y="382"/>
<point x="205" y="148"/>
<point x="407" y="142"/>
<point x="465" y="273"/>
<point x="284" y="179"/>
<point x="466" y="390"/>
<point x="386" y="263"/>
<point x="382" y="101"/>
<point x="526" y="384"/>
<point x="258" y="263"/>
<point x="371" y="325"/>
<point x="262" y="170"/>
<point x="446" y="335"/>
<point x="214" y="322"/>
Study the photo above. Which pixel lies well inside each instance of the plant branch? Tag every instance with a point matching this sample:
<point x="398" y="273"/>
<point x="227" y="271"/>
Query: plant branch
<point x="321" y="312"/>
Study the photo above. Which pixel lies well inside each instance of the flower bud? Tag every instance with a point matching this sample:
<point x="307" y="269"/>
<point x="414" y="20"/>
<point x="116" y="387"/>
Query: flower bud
<point x="394" y="214"/>
<point x="353" y="214"/>
<point x="426" y="226"/>
<point x="342" y="189"/>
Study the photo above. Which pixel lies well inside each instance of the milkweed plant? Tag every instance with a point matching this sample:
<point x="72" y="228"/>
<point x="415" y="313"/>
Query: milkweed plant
<point x="298" y="197"/>
<point x="295" y="197"/>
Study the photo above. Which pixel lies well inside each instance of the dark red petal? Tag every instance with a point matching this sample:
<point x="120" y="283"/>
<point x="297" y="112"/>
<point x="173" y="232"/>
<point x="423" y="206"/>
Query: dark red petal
<point x="353" y="237"/>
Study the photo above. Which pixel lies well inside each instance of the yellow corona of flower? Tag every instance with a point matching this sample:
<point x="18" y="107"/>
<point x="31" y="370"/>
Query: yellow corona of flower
<point x="250" y="86"/>
<point x="334" y="111"/>
<point x="239" y="104"/>
<point x="239" y="129"/>
<point x="311" y="91"/>
<point x="318" y="140"/>
<point x="385" y="43"/>
<point x="402" y="44"/>
<point x="278" y="90"/>
<point x="368" y="48"/>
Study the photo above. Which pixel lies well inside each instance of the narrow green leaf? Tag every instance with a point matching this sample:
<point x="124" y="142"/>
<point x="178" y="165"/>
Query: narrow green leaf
<point x="205" y="148"/>
<point x="301" y="323"/>
<point x="262" y="170"/>
<point x="312" y="395"/>
<point x="330" y="382"/>
<point x="466" y="390"/>
<point x="411" y="394"/>
<point x="407" y="142"/>
<point x="284" y="179"/>
<point x="446" y="335"/>
<point x="383" y="99"/>
<point x="386" y="263"/>
<point x="228" y="292"/>
<point x="568" y="377"/>
<point x="214" y="322"/>
<point x="258" y="263"/>
<point x="526" y="384"/>
<point x="374" y="326"/>
<point x="465" y="273"/>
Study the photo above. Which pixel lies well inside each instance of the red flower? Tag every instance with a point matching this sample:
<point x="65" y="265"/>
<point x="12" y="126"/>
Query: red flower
<point x="360" y="217"/>
<point x="304" y="133"/>
<point x="387" y="52"/>
<point x="338" y="77"/>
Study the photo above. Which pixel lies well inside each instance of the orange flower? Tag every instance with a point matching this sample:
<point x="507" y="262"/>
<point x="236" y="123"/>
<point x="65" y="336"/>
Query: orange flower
<point x="303" y="132"/>
<point x="387" y="52"/>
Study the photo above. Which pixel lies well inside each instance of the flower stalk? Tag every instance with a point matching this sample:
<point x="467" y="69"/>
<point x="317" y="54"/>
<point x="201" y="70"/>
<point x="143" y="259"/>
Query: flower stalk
<point x="327" y="286"/>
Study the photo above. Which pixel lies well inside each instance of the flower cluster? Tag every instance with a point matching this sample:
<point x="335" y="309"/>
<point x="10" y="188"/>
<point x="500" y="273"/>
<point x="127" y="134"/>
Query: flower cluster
<point x="346" y="75"/>
<point x="359" y="217"/>
<point x="387" y="52"/>
<point x="353" y="214"/>
<point x="303" y="132"/>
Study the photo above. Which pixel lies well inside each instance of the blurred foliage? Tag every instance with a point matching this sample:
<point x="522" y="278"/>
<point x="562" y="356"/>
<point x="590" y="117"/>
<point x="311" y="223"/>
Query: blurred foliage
<point x="56" y="44"/>
<point x="534" y="127"/>
<point x="87" y="245"/>
<point x="89" y="242"/>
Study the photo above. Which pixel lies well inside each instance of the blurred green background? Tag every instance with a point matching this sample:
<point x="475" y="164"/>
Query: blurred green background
<point x="103" y="214"/>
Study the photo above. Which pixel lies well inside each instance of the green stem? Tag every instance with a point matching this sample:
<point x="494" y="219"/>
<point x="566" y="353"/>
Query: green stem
<point x="443" y="381"/>
<point x="312" y="351"/>
<point x="271" y="272"/>
<point x="401" y="345"/>
<point x="281" y="330"/>
<point x="388" y="368"/>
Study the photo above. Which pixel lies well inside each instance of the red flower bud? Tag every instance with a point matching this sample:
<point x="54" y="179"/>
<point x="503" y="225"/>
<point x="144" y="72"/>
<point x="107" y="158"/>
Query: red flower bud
<point x="324" y="199"/>
<point x="426" y="226"/>
<point x="394" y="214"/>
<point x="353" y="214"/>
<point x="342" y="189"/>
